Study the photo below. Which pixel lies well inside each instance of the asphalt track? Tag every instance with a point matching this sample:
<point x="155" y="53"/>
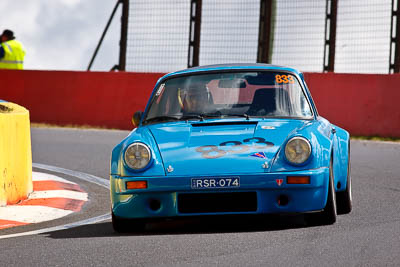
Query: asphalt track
<point x="369" y="236"/>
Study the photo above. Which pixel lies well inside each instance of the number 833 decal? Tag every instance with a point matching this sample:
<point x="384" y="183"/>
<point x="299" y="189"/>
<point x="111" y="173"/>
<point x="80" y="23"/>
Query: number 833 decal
<point x="236" y="147"/>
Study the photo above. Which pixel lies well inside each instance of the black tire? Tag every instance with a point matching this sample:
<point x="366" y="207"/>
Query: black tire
<point x="119" y="225"/>
<point x="126" y="225"/>
<point x="344" y="199"/>
<point x="329" y="213"/>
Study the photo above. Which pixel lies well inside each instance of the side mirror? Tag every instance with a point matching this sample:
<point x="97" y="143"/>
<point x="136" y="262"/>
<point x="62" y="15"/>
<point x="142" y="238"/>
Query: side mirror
<point x="136" y="118"/>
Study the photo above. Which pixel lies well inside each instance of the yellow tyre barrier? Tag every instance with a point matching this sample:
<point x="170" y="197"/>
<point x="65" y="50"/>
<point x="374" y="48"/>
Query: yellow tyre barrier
<point x="15" y="154"/>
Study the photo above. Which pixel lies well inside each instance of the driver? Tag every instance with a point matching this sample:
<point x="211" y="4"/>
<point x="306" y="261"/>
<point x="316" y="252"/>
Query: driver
<point x="194" y="99"/>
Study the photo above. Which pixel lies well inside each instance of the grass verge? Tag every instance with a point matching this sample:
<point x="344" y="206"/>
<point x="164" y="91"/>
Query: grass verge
<point x="376" y="138"/>
<point x="83" y="127"/>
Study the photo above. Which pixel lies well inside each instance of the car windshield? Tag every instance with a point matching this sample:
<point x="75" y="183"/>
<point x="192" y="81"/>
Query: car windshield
<point x="240" y="94"/>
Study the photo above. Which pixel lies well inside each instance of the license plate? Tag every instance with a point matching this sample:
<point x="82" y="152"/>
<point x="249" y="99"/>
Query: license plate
<point x="230" y="182"/>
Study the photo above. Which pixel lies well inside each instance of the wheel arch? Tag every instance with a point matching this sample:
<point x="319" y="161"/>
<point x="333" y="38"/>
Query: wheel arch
<point x="341" y="158"/>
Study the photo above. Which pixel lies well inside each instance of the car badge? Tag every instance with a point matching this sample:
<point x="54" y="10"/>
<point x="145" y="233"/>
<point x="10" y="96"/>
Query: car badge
<point x="170" y="169"/>
<point x="265" y="165"/>
<point x="259" y="155"/>
<point x="279" y="181"/>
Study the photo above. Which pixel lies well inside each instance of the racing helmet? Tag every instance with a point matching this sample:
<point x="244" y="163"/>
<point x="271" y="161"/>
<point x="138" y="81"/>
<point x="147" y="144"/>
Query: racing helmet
<point x="194" y="98"/>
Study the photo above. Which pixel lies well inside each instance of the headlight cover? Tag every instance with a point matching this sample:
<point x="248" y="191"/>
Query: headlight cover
<point x="297" y="150"/>
<point x="137" y="156"/>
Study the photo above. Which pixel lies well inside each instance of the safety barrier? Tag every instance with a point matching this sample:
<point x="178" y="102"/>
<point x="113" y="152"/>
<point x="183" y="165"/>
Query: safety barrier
<point x="15" y="154"/>
<point x="364" y="104"/>
<point x="102" y="99"/>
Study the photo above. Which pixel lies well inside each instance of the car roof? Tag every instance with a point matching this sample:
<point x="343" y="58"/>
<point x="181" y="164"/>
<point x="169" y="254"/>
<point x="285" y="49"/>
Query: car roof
<point x="233" y="66"/>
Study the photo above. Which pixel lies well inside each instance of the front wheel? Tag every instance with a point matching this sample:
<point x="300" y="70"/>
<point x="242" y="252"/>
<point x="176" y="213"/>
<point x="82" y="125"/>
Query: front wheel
<point x="344" y="199"/>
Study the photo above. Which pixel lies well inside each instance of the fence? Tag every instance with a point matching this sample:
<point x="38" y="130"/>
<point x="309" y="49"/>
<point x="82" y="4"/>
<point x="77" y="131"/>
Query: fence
<point x="347" y="36"/>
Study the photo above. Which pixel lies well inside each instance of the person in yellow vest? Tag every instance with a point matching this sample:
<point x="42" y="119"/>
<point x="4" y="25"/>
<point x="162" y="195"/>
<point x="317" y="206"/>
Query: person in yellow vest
<point x="12" y="52"/>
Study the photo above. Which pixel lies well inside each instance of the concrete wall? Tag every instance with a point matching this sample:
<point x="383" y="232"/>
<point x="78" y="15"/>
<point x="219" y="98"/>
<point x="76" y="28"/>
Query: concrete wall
<point x="361" y="103"/>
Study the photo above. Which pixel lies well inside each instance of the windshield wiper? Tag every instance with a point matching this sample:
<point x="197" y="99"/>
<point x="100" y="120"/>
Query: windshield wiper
<point x="192" y="116"/>
<point x="212" y="115"/>
<point x="238" y="115"/>
<point x="183" y="117"/>
<point x="161" y="118"/>
<point x="201" y="116"/>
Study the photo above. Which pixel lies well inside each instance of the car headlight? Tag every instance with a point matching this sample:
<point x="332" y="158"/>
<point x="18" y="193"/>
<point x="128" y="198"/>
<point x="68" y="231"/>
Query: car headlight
<point x="297" y="150"/>
<point x="137" y="156"/>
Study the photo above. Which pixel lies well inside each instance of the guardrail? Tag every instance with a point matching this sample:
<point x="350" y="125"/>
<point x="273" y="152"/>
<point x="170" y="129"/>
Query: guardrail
<point x="15" y="154"/>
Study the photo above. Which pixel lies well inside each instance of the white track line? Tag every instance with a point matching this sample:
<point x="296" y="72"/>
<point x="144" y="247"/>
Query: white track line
<point x="61" y="227"/>
<point x="80" y="175"/>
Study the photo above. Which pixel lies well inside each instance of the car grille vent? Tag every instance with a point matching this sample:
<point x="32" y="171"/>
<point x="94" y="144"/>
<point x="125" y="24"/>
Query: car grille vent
<point x="217" y="202"/>
<point x="224" y="123"/>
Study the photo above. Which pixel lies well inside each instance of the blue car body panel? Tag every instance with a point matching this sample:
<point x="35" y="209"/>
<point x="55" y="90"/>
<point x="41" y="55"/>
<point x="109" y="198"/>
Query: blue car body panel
<point x="259" y="161"/>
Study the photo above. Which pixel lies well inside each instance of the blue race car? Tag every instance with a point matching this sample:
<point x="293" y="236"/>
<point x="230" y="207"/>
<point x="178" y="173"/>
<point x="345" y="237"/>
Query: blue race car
<point x="230" y="139"/>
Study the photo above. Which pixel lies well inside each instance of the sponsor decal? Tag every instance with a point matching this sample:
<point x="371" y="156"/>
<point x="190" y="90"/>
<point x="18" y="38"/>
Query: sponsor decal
<point x="279" y="79"/>
<point x="259" y="155"/>
<point x="160" y="90"/>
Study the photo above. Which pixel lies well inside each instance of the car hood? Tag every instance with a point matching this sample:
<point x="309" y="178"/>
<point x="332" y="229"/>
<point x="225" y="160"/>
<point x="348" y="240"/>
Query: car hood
<point x="221" y="147"/>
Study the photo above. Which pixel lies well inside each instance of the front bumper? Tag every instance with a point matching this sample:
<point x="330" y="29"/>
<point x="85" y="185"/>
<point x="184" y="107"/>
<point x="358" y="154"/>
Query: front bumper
<point x="166" y="196"/>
